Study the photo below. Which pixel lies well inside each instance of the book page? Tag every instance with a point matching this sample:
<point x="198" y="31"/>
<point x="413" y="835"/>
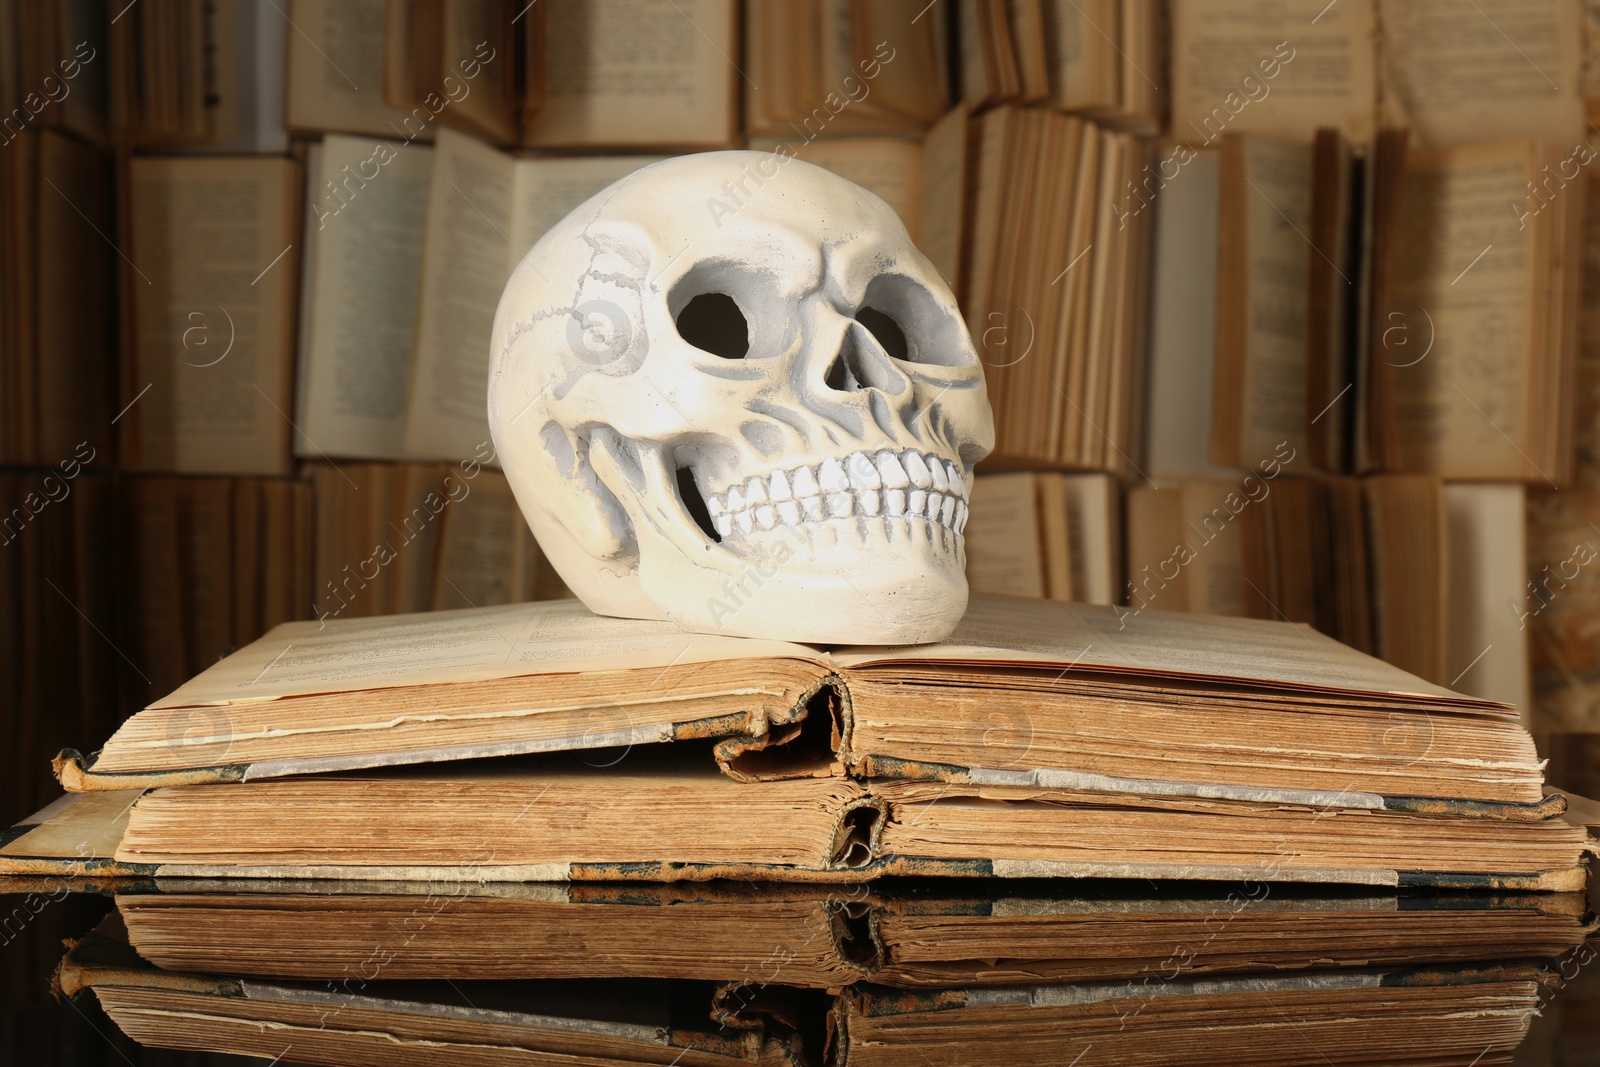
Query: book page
<point x="480" y="552"/>
<point x="336" y="63"/>
<point x="485" y="212"/>
<point x="1002" y="536"/>
<point x="469" y="645"/>
<point x="1183" y="316"/>
<point x="467" y="255"/>
<point x="888" y="166"/>
<point x="364" y="208"/>
<point x="1240" y="66"/>
<point x="1277" y="218"/>
<point x="548" y="190"/>
<point x="1486" y="650"/>
<point x="213" y="299"/>
<point x="1491" y="70"/>
<point x="634" y="72"/>
<point x="944" y="195"/>
<point x="1090" y="638"/>
<point x="1462" y="277"/>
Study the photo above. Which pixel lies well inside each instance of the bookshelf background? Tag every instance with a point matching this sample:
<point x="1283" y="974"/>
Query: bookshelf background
<point x="252" y="256"/>
<point x="251" y="251"/>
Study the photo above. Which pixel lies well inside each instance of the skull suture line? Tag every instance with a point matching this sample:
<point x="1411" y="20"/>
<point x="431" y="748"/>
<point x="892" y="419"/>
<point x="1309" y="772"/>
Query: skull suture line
<point x="728" y="391"/>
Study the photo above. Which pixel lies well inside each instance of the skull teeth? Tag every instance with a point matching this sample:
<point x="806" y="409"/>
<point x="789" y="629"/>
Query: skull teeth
<point x="886" y="485"/>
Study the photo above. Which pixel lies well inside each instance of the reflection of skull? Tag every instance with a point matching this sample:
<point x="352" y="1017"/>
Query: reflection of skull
<point x="728" y="391"/>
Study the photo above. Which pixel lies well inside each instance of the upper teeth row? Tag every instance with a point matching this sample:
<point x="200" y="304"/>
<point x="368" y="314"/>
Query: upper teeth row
<point x="814" y="494"/>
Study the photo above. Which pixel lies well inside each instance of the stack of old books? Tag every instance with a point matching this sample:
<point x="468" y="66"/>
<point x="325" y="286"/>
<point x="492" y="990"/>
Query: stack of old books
<point x="540" y="743"/>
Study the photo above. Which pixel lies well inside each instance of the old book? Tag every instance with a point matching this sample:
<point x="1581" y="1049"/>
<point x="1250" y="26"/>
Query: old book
<point x="1099" y="58"/>
<point x="362" y="255"/>
<point x="999" y="702"/>
<point x="336" y="72"/>
<point x="1555" y="605"/>
<point x="1184" y="202"/>
<point x="485" y="211"/>
<point x="210" y="278"/>
<point x="458" y="61"/>
<point x="1452" y="74"/>
<point x="820" y="937"/>
<point x="1054" y="289"/>
<point x="1422" y="573"/>
<point x="874" y="67"/>
<point x="667" y="814"/>
<point x="1043" y="534"/>
<point x="56" y="326"/>
<point x="624" y="73"/>
<point x="1485" y="265"/>
<point x="1263" y="262"/>
<point x="174" y="73"/>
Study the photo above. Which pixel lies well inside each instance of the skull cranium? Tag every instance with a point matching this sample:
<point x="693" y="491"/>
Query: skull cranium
<point x="728" y="391"/>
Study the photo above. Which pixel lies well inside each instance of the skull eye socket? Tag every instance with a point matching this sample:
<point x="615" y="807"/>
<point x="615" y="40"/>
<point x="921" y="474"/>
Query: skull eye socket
<point x="911" y="323"/>
<point x="887" y="331"/>
<point x="712" y="322"/>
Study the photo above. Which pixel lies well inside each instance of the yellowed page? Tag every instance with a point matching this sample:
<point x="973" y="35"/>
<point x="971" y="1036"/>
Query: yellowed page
<point x="469" y="645"/>
<point x="1277" y="213"/>
<point x="484" y="213"/>
<point x="467" y="255"/>
<point x="1002" y="536"/>
<point x="638" y="72"/>
<point x="336" y="69"/>
<point x="1094" y="532"/>
<point x="1489" y="70"/>
<point x="1086" y="637"/>
<point x="888" y="166"/>
<point x="481" y="552"/>
<point x="364" y="215"/>
<point x="1463" y="278"/>
<point x="213" y="289"/>
<point x="1283" y="69"/>
<point x="1486" y="653"/>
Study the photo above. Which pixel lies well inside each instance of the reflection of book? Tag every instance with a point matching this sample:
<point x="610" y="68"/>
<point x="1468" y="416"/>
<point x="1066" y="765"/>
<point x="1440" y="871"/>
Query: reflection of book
<point x="967" y="934"/>
<point x="1454" y="1013"/>
<point x="666" y="814"/>
<point x="1018" y="694"/>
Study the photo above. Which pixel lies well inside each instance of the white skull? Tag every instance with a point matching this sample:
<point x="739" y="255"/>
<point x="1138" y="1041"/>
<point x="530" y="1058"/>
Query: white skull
<point x="728" y="391"/>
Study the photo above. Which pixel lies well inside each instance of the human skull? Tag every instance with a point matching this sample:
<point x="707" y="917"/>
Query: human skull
<point x="728" y="391"/>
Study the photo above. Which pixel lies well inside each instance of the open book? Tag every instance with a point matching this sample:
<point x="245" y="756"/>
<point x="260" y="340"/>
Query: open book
<point x="1449" y="71"/>
<point x="1025" y="692"/>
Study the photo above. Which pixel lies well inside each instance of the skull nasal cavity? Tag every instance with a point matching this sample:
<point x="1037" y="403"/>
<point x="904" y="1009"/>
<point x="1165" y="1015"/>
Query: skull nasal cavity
<point x="712" y="322"/>
<point x="860" y="364"/>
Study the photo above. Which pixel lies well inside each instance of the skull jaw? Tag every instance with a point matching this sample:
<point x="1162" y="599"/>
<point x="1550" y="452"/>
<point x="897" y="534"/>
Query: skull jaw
<point x="864" y="581"/>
